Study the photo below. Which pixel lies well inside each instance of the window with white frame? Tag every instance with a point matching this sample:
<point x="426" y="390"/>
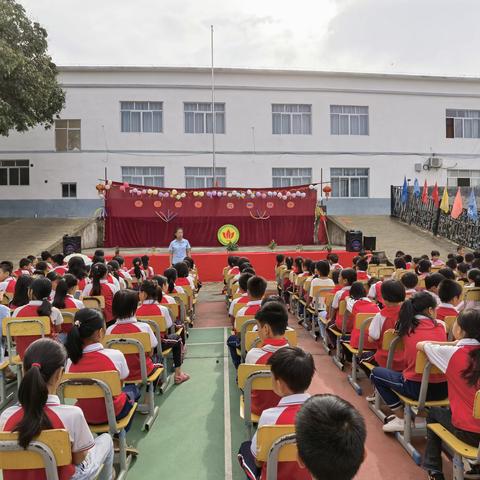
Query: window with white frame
<point x="348" y="120"/>
<point x="198" y="117"/>
<point x="349" y="182"/>
<point x="69" y="190"/>
<point x="67" y="135"/>
<point x="291" y="119"/>
<point x="14" y="172"/>
<point x="149" y="176"/>
<point x="463" y="178"/>
<point x="146" y="117"/>
<point x="288" y="177"/>
<point x="202" y="177"/>
<point x="462" y="123"/>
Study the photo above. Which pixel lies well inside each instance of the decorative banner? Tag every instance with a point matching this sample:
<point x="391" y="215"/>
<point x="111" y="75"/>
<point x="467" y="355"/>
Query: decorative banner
<point x="228" y="234"/>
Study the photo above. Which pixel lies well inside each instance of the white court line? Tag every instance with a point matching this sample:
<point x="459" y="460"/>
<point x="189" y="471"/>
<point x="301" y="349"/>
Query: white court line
<point x="226" y="406"/>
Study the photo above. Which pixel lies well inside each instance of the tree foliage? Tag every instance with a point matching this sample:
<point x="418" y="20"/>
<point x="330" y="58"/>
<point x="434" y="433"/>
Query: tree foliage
<point x="29" y="92"/>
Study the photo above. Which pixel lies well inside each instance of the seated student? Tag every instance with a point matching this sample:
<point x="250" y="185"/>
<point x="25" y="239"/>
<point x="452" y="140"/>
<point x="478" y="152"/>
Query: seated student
<point x="333" y="260"/>
<point x="460" y="250"/>
<point x="362" y="267"/>
<point x="416" y="322"/>
<point x="321" y="280"/>
<point x="400" y="266"/>
<point x="87" y="354"/>
<point x="452" y="263"/>
<point x="7" y="282"/>
<point x="39" y="409"/>
<point x="183" y="279"/>
<point x="232" y="262"/>
<point x="469" y="258"/>
<point x="54" y="277"/>
<point x="462" y="269"/>
<point x="163" y="284"/>
<point x="46" y="257"/>
<point x="346" y="279"/>
<point x="435" y="259"/>
<point x="287" y="283"/>
<point x="149" y="293"/>
<point x="408" y="261"/>
<point x="331" y="435"/>
<point x="98" y="256"/>
<point x="64" y="297"/>
<point x="77" y="267"/>
<point x="423" y="268"/>
<point x="298" y="265"/>
<point x="243" y="298"/>
<point x="122" y="271"/>
<point x="124" y="308"/>
<point x="20" y="295"/>
<point x="58" y="264"/>
<point x="171" y="276"/>
<point x="357" y="302"/>
<point x="432" y="282"/>
<point x="292" y="372"/>
<point x="460" y="361"/>
<point x="33" y="259"/>
<point x="450" y="294"/>
<point x="136" y="272"/>
<point x="272" y="321"/>
<point x="256" y="287"/>
<point x="38" y="306"/>
<point x="393" y="294"/>
<point x="193" y="273"/>
<point x="114" y="276"/>
<point x="149" y="271"/>
<point x="24" y="267"/>
<point x="410" y="281"/>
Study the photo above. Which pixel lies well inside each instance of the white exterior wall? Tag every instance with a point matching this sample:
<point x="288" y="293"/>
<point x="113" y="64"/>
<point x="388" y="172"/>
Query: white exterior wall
<point x="406" y="125"/>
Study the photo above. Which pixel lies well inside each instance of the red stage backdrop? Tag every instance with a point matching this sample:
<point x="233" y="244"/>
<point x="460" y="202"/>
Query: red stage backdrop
<point x="138" y="216"/>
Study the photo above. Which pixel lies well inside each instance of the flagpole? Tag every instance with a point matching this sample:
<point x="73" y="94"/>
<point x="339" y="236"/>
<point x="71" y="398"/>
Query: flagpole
<point x="213" y="111"/>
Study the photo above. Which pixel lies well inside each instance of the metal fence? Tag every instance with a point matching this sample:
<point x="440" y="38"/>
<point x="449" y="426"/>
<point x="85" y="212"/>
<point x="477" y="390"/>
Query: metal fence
<point x="462" y="230"/>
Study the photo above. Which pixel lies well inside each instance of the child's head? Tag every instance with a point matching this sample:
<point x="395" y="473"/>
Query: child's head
<point x="331" y="436"/>
<point x="309" y="266"/>
<point x="469" y="257"/>
<point x="58" y="259"/>
<point x="24" y="263"/>
<point x="145" y="259"/>
<point x="22" y="286"/>
<point x="460" y="250"/>
<point x="43" y="367"/>
<point x="88" y="327"/>
<point x="322" y="268"/>
<point x="393" y="292"/>
<point x="256" y="287"/>
<point x="347" y="276"/>
<point x="40" y="290"/>
<point x="272" y="320"/>
<point x="424" y="266"/>
<point x="452" y="263"/>
<point x="232" y="261"/>
<point x="292" y="371"/>
<point x="148" y="290"/>
<point x="243" y="281"/>
<point x="333" y="258"/>
<point x="422" y="303"/>
<point x="409" y="280"/>
<point x="450" y="291"/>
<point x="243" y="267"/>
<point x="400" y="263"/>
<point x="162" y="283"/>
<point x="119" y="259"/>
<point x="399" y="253"/>
<point x="433" y="281"/>
<point x="447" y="272"/>
<point x="182" y="269"/>
<point x="272" y="298"/>
<point x="76" y="266"/>
<point x="298" y="264"/>
<point x="474" y="276"/>
<point x="357" y="291"/>
<point x="66" y="285"/>
<point x="407" y="258"/>
<point x="289" y="262"/>
<point x="362" y="265"/>
<point x="336" y="277"/>
<point x="280" y="259"/>
<point x="171" y="276"/>
<point x="5" y="271"/>
<point x="124" y="304"/>
<point x="462" y="269"/>
<point x="435" y="254"/>
<point x="46" y="256"/>
<point x="190" y="263"/>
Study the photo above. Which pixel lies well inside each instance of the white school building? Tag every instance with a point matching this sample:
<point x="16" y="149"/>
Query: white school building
<point x="152" y="125"/>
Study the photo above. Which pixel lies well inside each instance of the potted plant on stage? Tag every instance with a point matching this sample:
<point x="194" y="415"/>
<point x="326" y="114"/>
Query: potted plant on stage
<point x="272" y="245"/>
<point x="231" y="246"/>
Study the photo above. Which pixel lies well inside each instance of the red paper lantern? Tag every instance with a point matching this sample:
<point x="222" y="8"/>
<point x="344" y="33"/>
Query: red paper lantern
<point x="327" y="190"/>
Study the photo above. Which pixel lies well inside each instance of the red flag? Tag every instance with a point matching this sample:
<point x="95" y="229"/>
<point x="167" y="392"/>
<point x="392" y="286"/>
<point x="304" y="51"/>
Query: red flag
<point x="425" y="193"/>
<point x="435" y="197"/>
<point x="457" y="208"/>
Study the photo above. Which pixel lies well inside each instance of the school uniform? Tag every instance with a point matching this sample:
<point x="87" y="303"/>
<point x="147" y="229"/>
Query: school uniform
<point x="113" y="280"/>
<point x="167" y="299"/>
<point x="82" y="283"/>
<point x="149" y="272"/>
<point x="263" y="399"/>
<point x="362" y="275"/>
<point x="452" y="360"/>
<point x="335" y="266"/>
<point x="410" y="291"/>
<point x="435" y="296"/>
<point x="143" y="275"/>
<point x="342" y="294"/>
<point x="71" y="303"/>
<point x="20" y="272"/>
<point x="251" y="308"/>
<point x="131" y="325"/>
<point x="185" y="282"/>
<point x="234" y="271"/>
<point x="107" y="290"/>
<point x="408" y="382"/>
<point x="363" y="305"/>
<point x="385" y="320"/>
<point x="445" y="310"/>
<point x="96" y="358"/>
<point x="375" y="292"/>
<point x="71" y="419"/>
<point x="243" y="299"/>
<point x="8" y="285"/>
<point x="283" y="414"/>
<point x="124" y="274"/>
<point x="31" y="310"/>
<point x="438" y="263"/>
<point x="60" y="270"/>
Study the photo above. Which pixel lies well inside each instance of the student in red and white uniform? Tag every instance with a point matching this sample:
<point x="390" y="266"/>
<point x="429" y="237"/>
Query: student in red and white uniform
<point x="432" y="282"/>
<point x="87" y="354"/>
<point x="362" y="267"/>
<point x="25" y="268"/>
<point x="272" y="321"/>
<point x="416" y="323"/>
<point x="435" y="259"/>
<point x="357" y="302"/>
<point x="122" y="271"/>
<point x="64" y="298"/>
<point x="77" y="267"/>
<point x="136" y="272"/>
<point x="38" y="306"/>
<point x="149" y="293"/>
<point x="59" y="265"/>
<point x="346" y="279"/>
<point x="424" y="268"/>
<point x="113" y="275"/>
<point x="124" y="306"/>
<point x="20" y="295"/>
<point x="40" y="410"/>
<point x="292" y="372"/>
<point x="164" y="287"/>
<point x="232" y="263"/>
<point x="54" y="277"/>
<point x="7" y="282"/>
<point x="46" y="257"/>
<point x="460" y="361"/>
<point x="243" y="299"/>
<point x="149" y="271"/>
<point x="333" y="260"/>
<point x="450" y="294"/>
<point x="171" y="276"/>
<point x="101" y="287"/>
<point x="410" y="282"/>
<point x="183" y="279"/>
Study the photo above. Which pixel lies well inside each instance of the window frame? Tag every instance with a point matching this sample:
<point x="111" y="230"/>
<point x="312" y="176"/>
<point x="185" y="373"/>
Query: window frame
<point x="21" y="165"/>
<point x="205" y="113"/>
<point x="350" y="115"/>
<point x="127" y="177"/>
<point x="346" y="177"/>
<point x="284" y="176"/>
<point x="69" y="187"/>
<point x="455" y="121"/>
<point x="290" y="114"/>
<point x="141" y="112"/>
<point x="206" y="177"/>
<point x="68" y="129"/>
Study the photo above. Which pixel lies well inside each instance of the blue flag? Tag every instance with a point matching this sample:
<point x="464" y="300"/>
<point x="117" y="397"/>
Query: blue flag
<point x="416" y="188"/>
<point x="404" y="190"/>
<point x="472" y="211"/>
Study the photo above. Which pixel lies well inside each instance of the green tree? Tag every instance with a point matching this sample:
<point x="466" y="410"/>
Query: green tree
<point x="29" y="92"/>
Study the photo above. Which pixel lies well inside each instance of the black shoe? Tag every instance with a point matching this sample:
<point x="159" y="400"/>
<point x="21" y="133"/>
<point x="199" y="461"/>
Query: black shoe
<point x="473" y="474"/>
<point x="435" y="475"/>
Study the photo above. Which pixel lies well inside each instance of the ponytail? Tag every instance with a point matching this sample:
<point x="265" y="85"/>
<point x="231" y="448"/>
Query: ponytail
<point x="63" y="286"/>
<point x="41" y="289"/>
<point x="136" y="268"/>
<point x="150" y="288"/>
<point x="113" y="267"/>
<point x="161" y="281"/>
<point x="416" y="305"/>
<point x="469" y="322"/>
<point x="145" y="260"/>
<point x="85" y="323"/>
<point x="98" y="271"/>
<point x="171" y="275"/>
<point x="76" y="266"/>
<point x="42" y="360"/>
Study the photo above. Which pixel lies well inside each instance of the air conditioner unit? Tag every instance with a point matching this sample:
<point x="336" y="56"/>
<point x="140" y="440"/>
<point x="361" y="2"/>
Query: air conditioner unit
<point x="434" y="162"/>
<point x="418" y="167"/>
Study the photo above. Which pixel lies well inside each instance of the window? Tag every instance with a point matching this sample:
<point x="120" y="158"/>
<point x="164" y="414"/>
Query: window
<point x="198" y="117"/>
<point x="150" y="176"/>
<point x="202" y="177"/>
<point x="463" y="178"/>
<point x="288" y="177"/>
<point x="67" y="135"/>
<point x="291" y="119"/>
<point x="146" y="117"/>
<point x="463" y="123"/>
<point x="69" y="190"/>
<point x="348" y="120"/>
<point x="349" y="182"/>
<point x="14" y="172"/>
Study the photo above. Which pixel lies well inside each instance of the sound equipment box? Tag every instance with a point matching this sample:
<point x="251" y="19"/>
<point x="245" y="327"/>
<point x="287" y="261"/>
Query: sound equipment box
<point x="353" y="240"/>
<point x="72" y="245"/>
<point x="370" y="243"/>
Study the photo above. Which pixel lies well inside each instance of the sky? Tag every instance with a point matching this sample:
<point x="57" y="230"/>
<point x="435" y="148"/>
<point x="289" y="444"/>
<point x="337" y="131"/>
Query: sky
<point x="438" y="37"/>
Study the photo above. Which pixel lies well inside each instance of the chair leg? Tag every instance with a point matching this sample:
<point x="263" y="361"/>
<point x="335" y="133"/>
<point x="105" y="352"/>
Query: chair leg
<point x="124" y="460"/>
<point x="338" y="357"/>
<point x="405" y="439"/>
<point x="353" y="377"/>
<point x="151" y="409"/>
<point x="375" y="407"/>
<point x="458" y="469"/>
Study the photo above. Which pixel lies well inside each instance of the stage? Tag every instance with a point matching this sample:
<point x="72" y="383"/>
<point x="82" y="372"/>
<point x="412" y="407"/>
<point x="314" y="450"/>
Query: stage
<point x="211" y="264"/>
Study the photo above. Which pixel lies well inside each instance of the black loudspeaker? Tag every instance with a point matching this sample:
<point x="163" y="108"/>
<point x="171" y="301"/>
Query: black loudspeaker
<point x="353" y="240"/>
<point x="72" y="245"/>
<point x="370" y="243"/>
